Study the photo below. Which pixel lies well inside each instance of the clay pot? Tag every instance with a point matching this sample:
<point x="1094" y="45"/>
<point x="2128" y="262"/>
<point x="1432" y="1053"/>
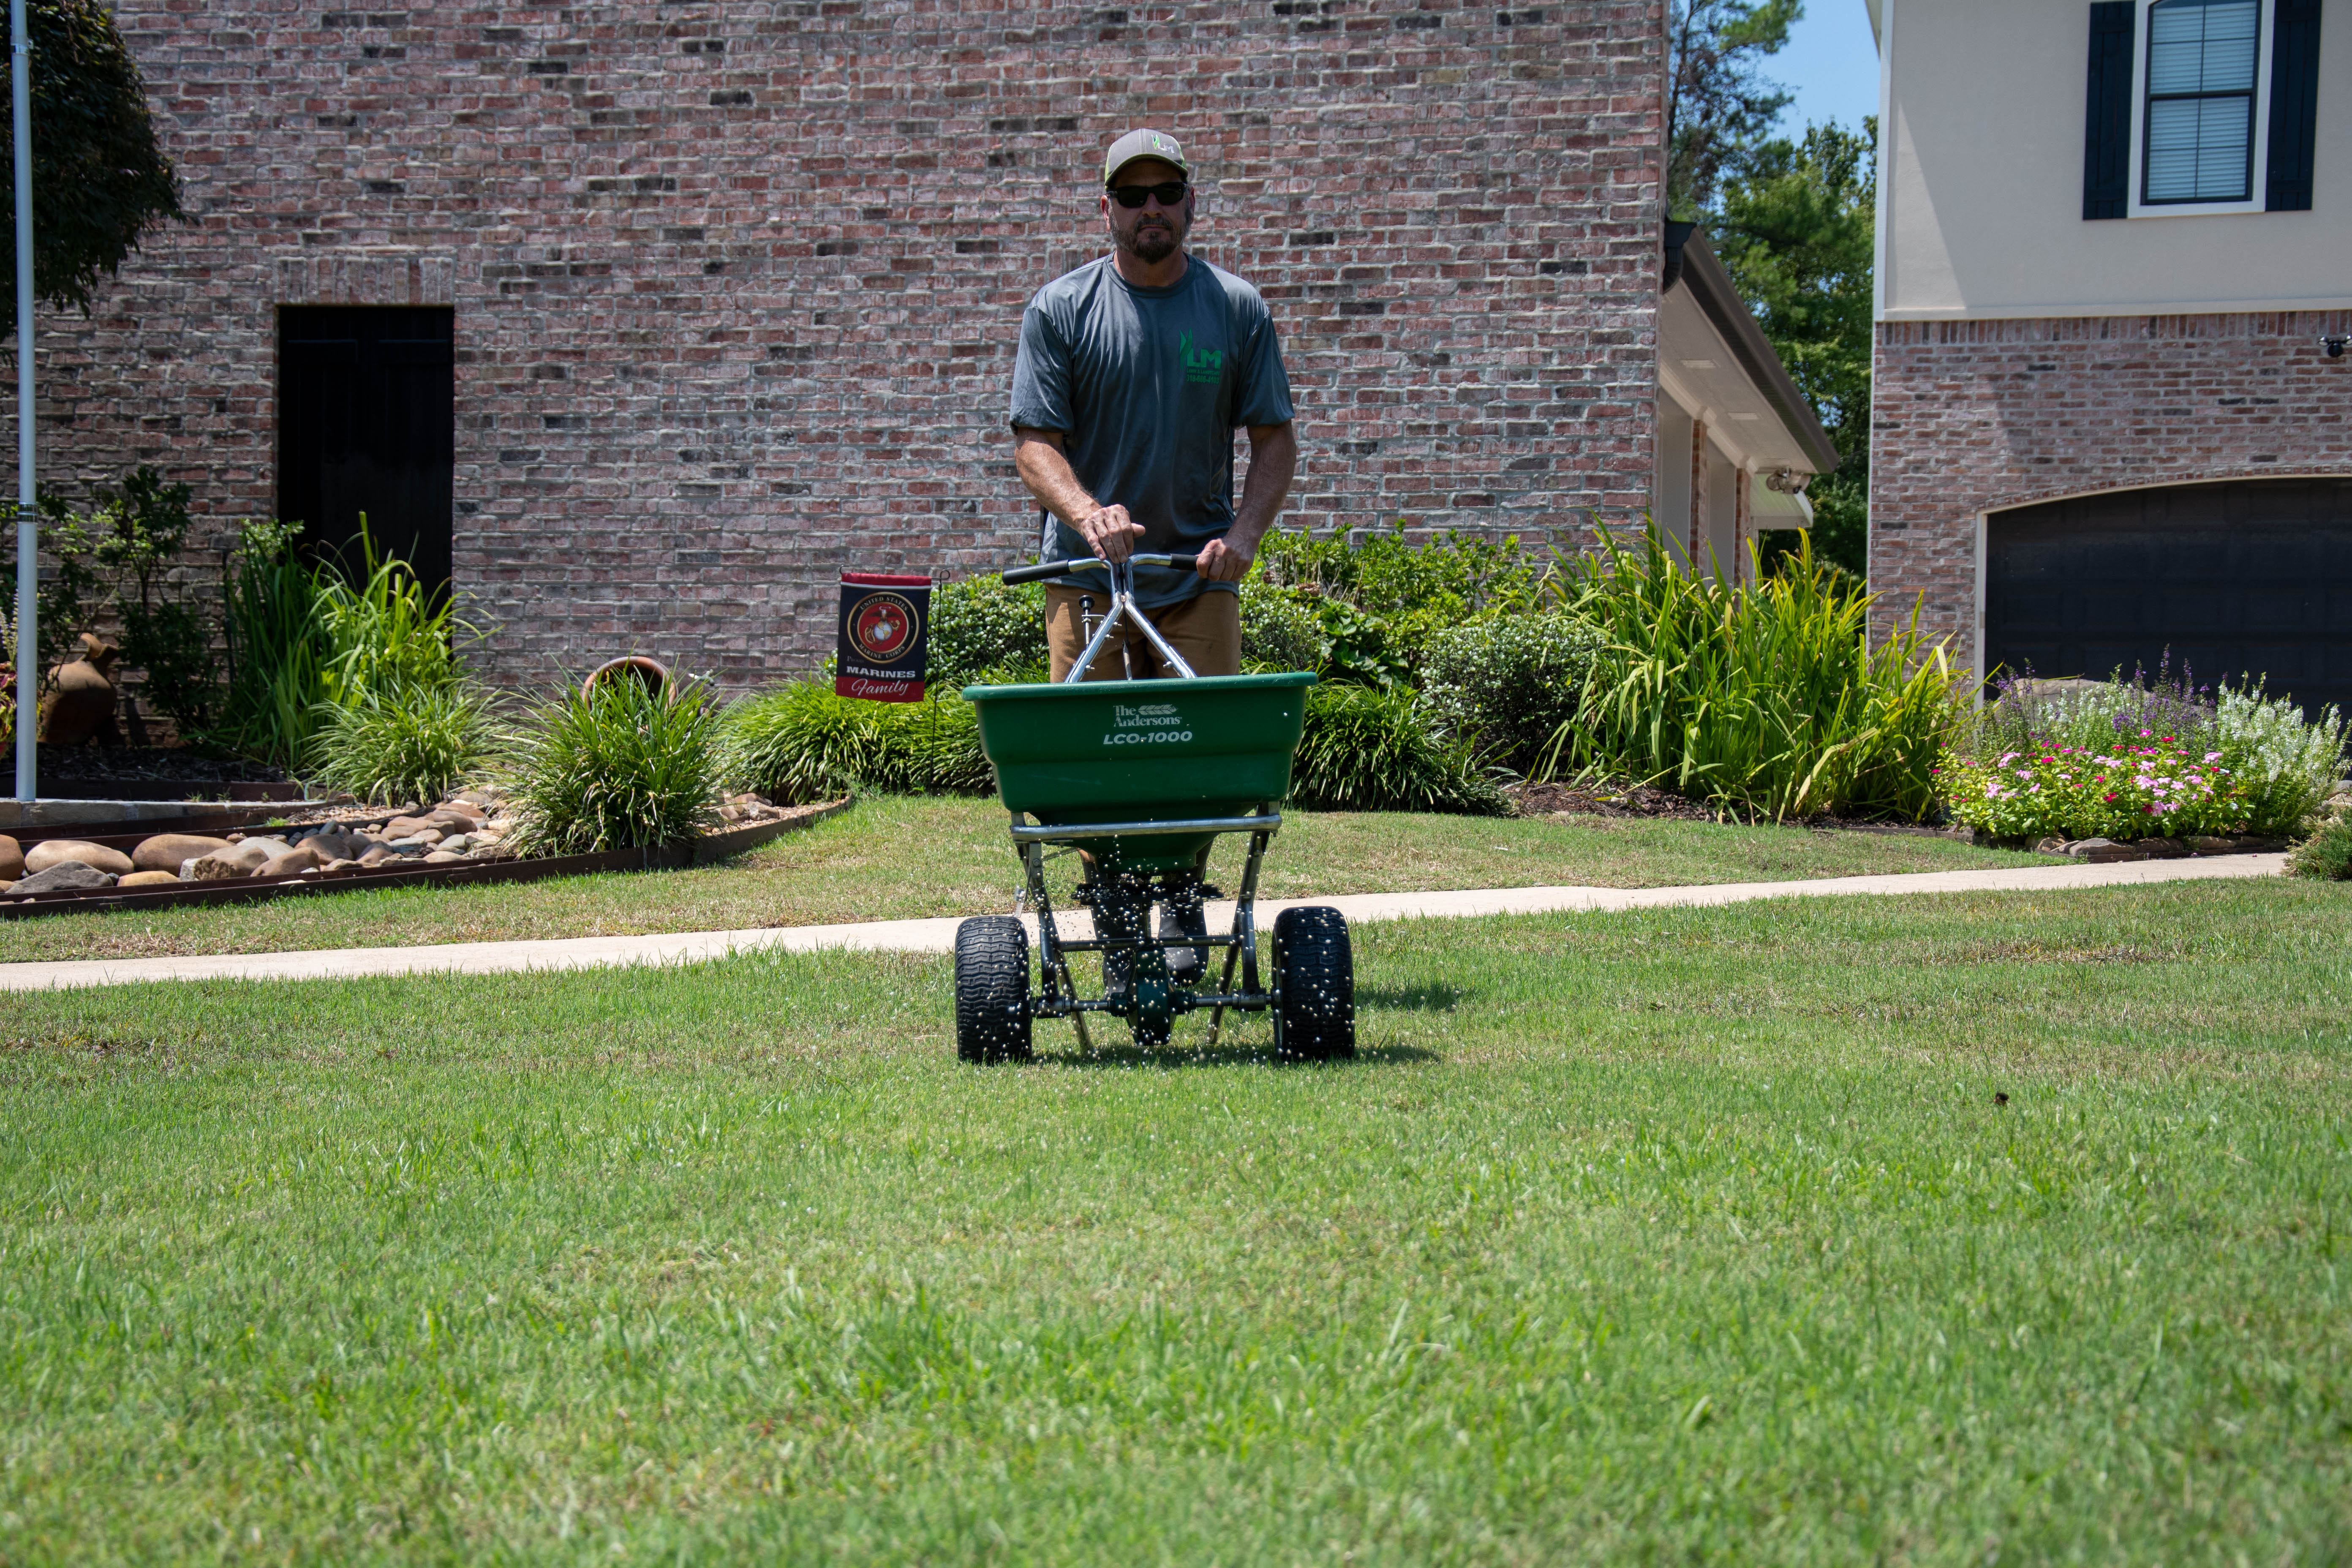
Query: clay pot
<point x="651" y="673"/>
<point x="82" y="701"/>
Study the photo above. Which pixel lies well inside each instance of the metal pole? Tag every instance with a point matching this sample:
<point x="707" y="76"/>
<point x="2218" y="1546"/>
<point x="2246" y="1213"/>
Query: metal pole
<point x="29" y="641"/>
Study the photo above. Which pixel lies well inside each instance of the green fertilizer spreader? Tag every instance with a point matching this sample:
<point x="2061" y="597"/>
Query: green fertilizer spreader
<point x="1139" y="778"/>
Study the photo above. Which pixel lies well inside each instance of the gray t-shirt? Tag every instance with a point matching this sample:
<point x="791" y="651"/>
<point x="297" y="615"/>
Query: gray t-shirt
<point x="1148" y="386"/>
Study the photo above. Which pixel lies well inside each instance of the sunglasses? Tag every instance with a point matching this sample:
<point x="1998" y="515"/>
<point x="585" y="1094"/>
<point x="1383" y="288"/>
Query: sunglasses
<point x="1170" y="194"/>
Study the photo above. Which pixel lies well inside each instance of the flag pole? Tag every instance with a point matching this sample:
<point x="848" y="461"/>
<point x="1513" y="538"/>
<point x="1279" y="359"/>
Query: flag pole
<point x="28" y="642"/>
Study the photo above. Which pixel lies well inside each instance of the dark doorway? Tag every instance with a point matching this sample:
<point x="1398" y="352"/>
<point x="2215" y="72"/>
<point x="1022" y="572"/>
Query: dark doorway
<point x="2254" y="576"/>
<point x="367" y="424"/>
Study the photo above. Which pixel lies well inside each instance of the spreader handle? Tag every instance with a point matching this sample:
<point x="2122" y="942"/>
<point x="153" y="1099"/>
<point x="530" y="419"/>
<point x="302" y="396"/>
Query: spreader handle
<point x="1046" y="569"/>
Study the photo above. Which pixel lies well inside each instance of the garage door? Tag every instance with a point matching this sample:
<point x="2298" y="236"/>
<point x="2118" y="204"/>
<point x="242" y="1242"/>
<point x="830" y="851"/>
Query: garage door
<point x="2251" y="577"/>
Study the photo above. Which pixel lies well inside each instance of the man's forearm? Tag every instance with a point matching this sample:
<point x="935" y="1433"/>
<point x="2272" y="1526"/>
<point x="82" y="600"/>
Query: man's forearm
<point x="1043" y="468"/>
<point x="1274" y="463"/>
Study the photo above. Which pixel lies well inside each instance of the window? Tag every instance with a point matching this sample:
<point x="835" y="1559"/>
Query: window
<point x="2200" y="106"/>
<point x="2203" y="72"/>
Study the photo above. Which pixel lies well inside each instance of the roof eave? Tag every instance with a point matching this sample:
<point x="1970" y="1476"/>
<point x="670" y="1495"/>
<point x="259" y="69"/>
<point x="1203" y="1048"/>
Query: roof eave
<point x="1711" y="289"/>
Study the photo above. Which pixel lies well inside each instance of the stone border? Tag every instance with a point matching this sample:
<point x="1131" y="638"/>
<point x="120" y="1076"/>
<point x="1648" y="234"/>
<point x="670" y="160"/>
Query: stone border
<point x="677" y="858"/>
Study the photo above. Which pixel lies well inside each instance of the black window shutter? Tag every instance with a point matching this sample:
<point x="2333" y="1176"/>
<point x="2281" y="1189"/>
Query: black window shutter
<point x="2294" y="105"/>
<point x="2106" y="117"/>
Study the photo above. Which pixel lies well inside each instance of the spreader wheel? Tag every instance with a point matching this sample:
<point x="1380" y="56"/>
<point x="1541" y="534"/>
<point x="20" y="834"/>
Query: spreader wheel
<point x="992" y="990"/>
<point x="1314" y="985"/>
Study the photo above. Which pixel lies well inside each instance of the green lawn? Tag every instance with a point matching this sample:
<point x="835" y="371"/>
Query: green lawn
<point x="1683" y="1235"/>
<point x="901" y="859"/>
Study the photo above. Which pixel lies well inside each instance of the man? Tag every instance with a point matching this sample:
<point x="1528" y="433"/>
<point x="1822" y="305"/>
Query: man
<point x="1133" y="373"/>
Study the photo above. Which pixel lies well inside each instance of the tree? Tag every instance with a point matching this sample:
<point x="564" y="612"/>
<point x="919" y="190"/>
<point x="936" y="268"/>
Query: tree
<point x="1717" y="107"/>
<point x="99" y="180"/>
<point x="1795" y="230"/>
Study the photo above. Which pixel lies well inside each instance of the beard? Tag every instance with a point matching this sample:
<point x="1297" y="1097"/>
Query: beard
<point x="1150" y="241"/>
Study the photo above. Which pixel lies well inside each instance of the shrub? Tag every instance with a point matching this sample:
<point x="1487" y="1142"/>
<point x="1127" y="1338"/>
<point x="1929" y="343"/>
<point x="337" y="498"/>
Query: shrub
<point x="2287" y="767"/>
<point x="803" y="742"/>
<point x="1771" y="700"/>
<point x="1513" y="682"/>
<point x="2158" y="788"/>
<point x="1380" y="600"/>
<point x="979" y="624"/>
<point x="2327" y="854"/>
<point x="413" y="745"/>
<point x="1281" y="628"/>
<point x="1366" y="749"/>
<point x="621" y="766"/>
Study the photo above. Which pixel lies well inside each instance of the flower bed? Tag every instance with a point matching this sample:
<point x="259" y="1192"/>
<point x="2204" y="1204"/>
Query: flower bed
<point x="2151" y="787"/>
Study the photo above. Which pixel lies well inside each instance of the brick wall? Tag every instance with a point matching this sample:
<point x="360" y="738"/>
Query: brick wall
<point x="1974" y="417"/>
<point x="737" y="285"/>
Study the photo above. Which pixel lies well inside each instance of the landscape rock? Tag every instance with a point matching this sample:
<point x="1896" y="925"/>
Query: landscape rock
<point x="377" y="854"/>
<point x="58" y="851"/>
<point x="457" y="813"/>
<point x="442" y="857"/>
<point x="248" y="856"/>
<point x="170" y="851"/>
<point x="423" y="838"/>
<point x="2051" y="847"/>
<point x="2101" y="851"/>
<point x="333" y="843"/>
<point x="2164" y="849"/>
<point x="216" y="868"/>
<point x="457" y="843"/>
<point x="304" y="858"/>
<point x="151" y="880"/>
<point x="2207" y="845"/>
<point x="64" y="875"/>
<point x="11" y="858"/>
<point x="342" y="868"/>
<point x="401" y="826"/>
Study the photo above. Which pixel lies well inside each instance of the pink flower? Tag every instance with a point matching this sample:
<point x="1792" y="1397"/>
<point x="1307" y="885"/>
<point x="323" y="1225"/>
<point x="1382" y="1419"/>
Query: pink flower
<point x="2212" y="756"/>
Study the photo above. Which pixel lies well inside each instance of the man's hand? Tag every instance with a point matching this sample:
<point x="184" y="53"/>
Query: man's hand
<point x="1110" y="532"/>
<point x="1221" y="562"/>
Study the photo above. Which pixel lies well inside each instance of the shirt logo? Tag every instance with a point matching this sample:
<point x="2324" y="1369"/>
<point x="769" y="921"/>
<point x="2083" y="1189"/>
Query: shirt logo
<point x="1201" y="366"/>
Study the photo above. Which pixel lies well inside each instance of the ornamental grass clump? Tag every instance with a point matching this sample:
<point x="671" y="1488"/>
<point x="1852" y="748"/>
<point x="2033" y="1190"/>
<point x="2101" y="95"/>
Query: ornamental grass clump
<point x="1366" y="750"/>
<point x="622" y="766"/>
<point x="1773" y="700"/>
<point x="416" y="745"/>
<point x="804" y="742"/>
<point x="2154" y="788"/>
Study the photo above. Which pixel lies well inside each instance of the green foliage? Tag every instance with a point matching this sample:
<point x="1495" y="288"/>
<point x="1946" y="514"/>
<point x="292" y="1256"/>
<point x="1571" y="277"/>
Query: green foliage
<point x="2281" y="765"/>
<point x="1774" y="700"/>
<point x="978" y="624"/>
<point x="1366" y="749"/>
<point x="278" y="650"/>
<point x="304" y="641"/>
<point x="1796" y="233"/>
<point x="2327" y="854"/>
<point x="2286" y="765"/>
<point x="804" y="742"/>
<point x="391" y="633"/>
<point x="1282" y="628"/>
<point x="622" y="766"/>
<point x="2157" y="788"/>
<point x="122" y="553"/>
<point x="416" y="746"/>
<point x="1377" y="601"/>
<point x="1512" y="682"/>
<point x="100" y="179"/>
<point x="65" y="596"/>
<point x="1716" y="105"/>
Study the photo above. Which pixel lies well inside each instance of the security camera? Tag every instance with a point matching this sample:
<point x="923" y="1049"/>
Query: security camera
<point x="2335" y="346"/>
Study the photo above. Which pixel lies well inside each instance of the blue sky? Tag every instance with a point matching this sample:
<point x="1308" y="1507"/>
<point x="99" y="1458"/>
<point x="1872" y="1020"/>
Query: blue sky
<point x="1830" y="64"/>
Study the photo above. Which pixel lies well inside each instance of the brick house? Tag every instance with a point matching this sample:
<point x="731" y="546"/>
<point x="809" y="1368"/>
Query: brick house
<point x="642" y="322"/>
<point x="2111" y="389"/>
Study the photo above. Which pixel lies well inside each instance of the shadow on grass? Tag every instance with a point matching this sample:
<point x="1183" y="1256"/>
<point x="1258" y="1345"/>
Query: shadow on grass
<point x="1436" y="998"/>
<point x="1122" y="1054"/>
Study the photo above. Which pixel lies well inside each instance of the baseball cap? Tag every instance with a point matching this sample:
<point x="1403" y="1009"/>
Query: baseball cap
<point x="1144" y="145"/>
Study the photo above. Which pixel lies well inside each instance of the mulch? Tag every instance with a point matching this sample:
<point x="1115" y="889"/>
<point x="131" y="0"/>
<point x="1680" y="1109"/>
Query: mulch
<point x="1616" y="798"/>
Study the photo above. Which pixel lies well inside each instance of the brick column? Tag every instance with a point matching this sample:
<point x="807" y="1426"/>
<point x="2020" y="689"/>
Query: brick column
<point x="1698" y="496"/>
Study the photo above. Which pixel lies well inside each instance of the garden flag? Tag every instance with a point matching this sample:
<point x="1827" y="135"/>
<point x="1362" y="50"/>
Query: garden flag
<point x="886" y="635"/>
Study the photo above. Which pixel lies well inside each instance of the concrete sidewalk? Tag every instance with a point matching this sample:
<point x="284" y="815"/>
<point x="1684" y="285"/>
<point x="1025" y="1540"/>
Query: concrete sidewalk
<point x="939" y="935"/>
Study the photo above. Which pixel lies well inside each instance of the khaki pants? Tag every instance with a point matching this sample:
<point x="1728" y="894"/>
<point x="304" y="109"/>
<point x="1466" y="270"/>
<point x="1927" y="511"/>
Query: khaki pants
<point x="1205" y="628"/>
